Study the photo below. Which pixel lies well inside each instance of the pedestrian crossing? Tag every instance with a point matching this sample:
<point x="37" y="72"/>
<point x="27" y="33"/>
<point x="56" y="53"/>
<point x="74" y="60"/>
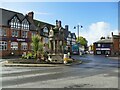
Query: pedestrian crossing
<point x="12" y="76"/>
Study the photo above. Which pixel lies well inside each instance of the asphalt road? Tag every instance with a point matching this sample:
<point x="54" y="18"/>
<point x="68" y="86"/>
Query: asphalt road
<point x="95" y="72"/>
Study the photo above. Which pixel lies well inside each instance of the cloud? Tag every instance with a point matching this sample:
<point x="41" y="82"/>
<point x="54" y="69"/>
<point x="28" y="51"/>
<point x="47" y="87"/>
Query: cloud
<point x="97" y="30"/>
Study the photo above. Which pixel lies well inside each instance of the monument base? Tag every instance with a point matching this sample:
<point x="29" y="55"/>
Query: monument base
<point x="57" y="58"/>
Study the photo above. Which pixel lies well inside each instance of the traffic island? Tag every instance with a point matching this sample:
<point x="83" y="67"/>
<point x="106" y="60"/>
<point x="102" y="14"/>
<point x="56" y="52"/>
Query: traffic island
<point x="33" y="63"/>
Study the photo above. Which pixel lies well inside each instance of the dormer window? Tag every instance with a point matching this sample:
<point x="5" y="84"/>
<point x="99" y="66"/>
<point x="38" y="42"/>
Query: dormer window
<point x="45" y="30"/>
<point x="15" y="23"/>
<point x="73" y="36"/>
<point x="25" y="24"/>
<point x="69" y="35"/>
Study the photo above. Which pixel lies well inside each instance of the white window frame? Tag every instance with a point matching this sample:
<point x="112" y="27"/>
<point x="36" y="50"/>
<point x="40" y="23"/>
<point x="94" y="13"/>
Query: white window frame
<point x="14" y="45"/>
<point x="24" y="46"/>
<point x="3" y="45"/>
<point x="15" y="23"/>
<point x="25" y="25"/>
<point x="15" y="33"/>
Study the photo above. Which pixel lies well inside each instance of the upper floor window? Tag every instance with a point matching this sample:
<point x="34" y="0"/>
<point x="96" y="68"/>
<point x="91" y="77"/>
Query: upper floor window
<point x="45" y="30"/>
<point x="2" y="32"/>
<point x="73" y="36"/>
<point x="25" y="24"/>
<point x="69" y="35"/>
<point x="15" y="33"/>
<point x="15" y="23"/>
<point x="3" y="45"/>
<point x="24" y="34"/>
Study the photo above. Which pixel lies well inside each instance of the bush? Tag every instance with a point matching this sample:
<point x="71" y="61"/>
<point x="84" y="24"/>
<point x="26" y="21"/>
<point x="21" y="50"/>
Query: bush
<point x="28" y="56"/>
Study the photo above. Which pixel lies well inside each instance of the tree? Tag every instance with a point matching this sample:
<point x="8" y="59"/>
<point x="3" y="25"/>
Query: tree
<point x="37" y="45"/>
<point x="82" y="41"/>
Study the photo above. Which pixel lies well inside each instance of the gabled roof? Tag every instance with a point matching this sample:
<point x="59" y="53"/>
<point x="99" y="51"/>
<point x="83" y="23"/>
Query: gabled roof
<point x="42" y="24"/>
<point x="7" y="15"/>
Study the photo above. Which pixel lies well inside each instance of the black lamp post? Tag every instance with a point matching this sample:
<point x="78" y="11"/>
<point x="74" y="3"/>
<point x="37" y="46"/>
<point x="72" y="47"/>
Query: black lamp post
<point x="78" y="26"/>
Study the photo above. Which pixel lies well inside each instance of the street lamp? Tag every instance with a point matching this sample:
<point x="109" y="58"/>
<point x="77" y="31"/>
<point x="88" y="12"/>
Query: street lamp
<point x="78" y="26"/>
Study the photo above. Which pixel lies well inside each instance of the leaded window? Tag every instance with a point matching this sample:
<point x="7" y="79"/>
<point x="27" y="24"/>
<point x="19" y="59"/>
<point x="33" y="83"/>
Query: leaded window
<point x="15" y="23"/>
<point x="14" y="33"/>
<point x="3" y="45"/>
<point x="24" y="46"/>
<point x="25" y="24"/>
<point x="14" y="45"/>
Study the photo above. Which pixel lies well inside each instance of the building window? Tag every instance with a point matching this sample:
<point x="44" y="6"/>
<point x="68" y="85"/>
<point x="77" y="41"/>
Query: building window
<point x="45" y="31"/>
<point x="98" y="45"/>
<point x="2" y="32"/>
<point x="14" y="33"/>
<point x="23" y="46"/>
<point x="24" y="34"/>
<point x="98" y="52"/>
<point x="14" y="46"/>
<point x="15" y="23"/>
<point x="25" y="24"/>
<point x="3" y="45"/>
<point x="69" y="35"/>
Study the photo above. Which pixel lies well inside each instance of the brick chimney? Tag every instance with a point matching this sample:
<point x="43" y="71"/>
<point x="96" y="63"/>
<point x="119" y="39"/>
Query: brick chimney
<point x="56" y="23"/>
<point x="59" y="23"/>
<point x="30" y="15"/>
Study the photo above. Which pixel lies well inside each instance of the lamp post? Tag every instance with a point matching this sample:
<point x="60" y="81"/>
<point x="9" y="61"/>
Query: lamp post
<point x="78" y="27"/>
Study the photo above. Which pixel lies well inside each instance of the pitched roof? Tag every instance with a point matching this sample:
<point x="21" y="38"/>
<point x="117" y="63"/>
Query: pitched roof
<point x="116" y="36"/>
<point x="104" y="41"/>
<point x="7" y="15"/>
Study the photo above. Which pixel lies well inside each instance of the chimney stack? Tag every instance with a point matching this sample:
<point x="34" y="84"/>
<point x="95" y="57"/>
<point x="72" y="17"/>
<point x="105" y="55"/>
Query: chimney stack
<point x="30" y="15"/>
<point x="56" y="23"/>
<point x="59" y="24"/>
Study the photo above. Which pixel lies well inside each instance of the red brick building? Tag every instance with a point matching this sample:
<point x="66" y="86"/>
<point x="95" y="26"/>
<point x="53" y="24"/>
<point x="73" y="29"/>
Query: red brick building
<point x="116" y="44"/>
<point x="16" y="31"/>
<point x="15" y="35"/>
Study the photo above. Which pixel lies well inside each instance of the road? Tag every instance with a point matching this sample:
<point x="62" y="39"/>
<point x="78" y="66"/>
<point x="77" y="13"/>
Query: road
<point x="95" y="72"/>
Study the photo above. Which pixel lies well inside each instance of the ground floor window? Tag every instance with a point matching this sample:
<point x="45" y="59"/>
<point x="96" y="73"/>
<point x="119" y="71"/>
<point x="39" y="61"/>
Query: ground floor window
<point x="3" y="45"/>
<point x="98" y="52"/>
<point x="24" y="46"/>
<point x="14" y="46"/>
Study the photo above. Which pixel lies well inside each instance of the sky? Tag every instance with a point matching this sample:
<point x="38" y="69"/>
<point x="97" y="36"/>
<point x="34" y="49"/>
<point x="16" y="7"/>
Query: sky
<point x="97" y="18"/>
